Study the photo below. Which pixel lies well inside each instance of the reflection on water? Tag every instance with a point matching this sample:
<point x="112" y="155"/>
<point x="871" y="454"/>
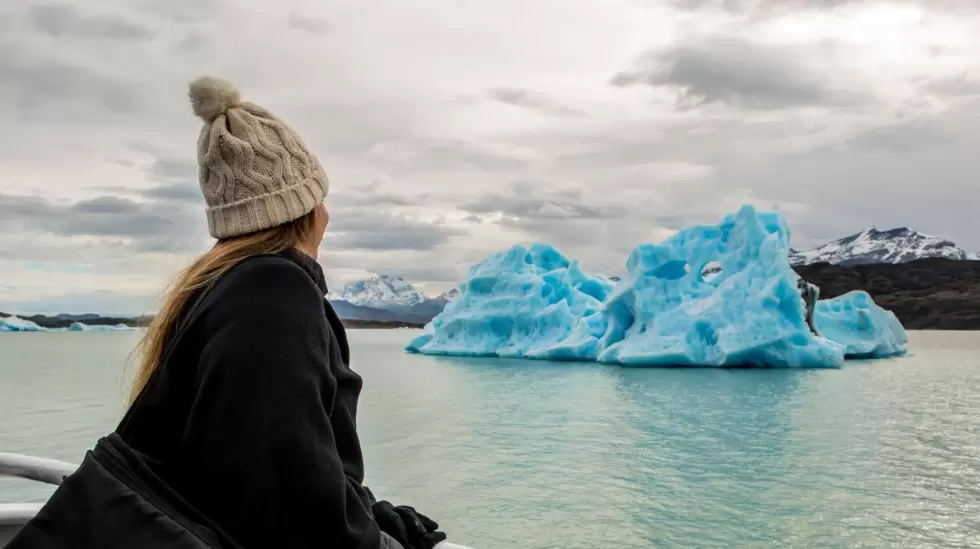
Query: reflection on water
<point x="716" y="441"/>
<point x="575" y="456"/>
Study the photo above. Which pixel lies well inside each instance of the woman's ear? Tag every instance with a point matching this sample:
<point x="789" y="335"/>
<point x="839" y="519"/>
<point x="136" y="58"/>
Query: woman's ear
<point x="325" y="213"/>
<point x="323" y="218"/>
<point x="320" y="219"/>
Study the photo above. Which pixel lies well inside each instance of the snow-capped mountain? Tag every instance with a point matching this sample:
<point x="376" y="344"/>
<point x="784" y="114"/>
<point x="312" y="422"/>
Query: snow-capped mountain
<point x="389" y="299"/>
<point x="873" y="246"/>
<point x="380" y="292"/>
<point x="449" y="296"/>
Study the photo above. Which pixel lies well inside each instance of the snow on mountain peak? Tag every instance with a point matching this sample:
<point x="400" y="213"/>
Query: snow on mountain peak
<point x="449" y="296"/>
<point x="380" y="292"/>
<point x="898" y="245"/>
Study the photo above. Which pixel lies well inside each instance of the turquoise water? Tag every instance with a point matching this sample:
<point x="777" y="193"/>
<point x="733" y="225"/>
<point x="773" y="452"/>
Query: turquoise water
<point x="536" y="455"/>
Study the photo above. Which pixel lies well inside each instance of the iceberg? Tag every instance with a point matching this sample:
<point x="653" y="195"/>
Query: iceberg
<point x="710" y="295"/>
<point x="518" y="303"/>
<point x="748" y="312"/>
<point x="17" y="324"/>
<point x="867" y="330"/>
<point x="81" y="327"/>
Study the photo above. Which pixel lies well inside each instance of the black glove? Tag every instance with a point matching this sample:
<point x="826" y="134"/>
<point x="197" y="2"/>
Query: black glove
<point x="409" y="527"/>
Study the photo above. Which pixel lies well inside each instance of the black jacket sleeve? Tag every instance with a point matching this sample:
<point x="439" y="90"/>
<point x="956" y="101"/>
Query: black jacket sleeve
<point x="259" y="432"/>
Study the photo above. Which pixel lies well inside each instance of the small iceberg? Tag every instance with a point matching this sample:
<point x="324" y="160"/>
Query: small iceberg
<point x="17" y="324"/>
<point x="710" y="295"/>
<point x="81" y="327"/>
<point x="864" y="328"/>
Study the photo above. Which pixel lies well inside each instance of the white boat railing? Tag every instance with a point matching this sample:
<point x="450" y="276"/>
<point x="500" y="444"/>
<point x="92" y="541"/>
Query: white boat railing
<point x="50" y="471"/>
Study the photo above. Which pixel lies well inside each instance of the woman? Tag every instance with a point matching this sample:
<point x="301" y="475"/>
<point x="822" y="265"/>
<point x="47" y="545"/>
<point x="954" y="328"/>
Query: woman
<point x="244" y="402"/>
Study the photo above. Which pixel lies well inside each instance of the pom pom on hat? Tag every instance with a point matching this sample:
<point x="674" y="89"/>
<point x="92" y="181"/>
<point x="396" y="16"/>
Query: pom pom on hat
<point x="211" y="97"/>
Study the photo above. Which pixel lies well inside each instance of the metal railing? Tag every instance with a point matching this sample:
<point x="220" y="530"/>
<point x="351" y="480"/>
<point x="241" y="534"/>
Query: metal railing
<point x="50" y="471"/>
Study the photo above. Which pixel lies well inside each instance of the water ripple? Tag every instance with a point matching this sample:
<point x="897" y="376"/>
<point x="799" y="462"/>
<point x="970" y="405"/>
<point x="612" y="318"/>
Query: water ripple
<point x="570" y="456"/>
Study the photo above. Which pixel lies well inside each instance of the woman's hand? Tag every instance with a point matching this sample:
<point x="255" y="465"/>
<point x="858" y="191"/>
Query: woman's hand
<point x="409" y="527"/>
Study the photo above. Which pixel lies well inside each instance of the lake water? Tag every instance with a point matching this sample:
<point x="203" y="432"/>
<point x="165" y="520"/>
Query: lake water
<point x="530" y="455"/>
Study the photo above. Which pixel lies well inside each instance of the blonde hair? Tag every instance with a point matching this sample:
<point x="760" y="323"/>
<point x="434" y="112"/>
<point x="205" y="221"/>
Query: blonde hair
<point x="201" y="273"/>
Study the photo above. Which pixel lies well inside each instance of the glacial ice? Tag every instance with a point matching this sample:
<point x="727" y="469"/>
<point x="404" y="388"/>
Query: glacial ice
<point x="867" y="330"/>
<point x="518" y="303"/>
<point x="81" y="327"/>
<point x="17" y="324"/>
<point x="710" y="295"/>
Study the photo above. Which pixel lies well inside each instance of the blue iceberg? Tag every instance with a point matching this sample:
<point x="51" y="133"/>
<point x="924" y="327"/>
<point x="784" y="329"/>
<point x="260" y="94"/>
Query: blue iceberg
<point x="17" y="324"/>
<point x="81" y="327"/>
<point x="867" y="330"/>
<point x="518" y="303"/>
<point x="749" y="312"/>
<point x="710" y="295"/>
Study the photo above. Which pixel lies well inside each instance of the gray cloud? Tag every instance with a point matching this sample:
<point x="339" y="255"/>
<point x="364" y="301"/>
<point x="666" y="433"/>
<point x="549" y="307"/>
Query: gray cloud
<point x="106" y="302"/>
<point x="371" y="229"/>
<point x="601" y="244"/>
<point x="532" y="100"/>
<point x="61" y="20"/>
<point x="179" y="192"/>
<point x="106" y="205"/>
<point x="37" y="87"/>
<point x="599" y="229"/>
<point x="176" y="179"/>
<point x="424" y="154"/>
<point x="900" y="181"/>
<point x="187" y="12"/>
<point x="174" y="168"/>
<point x="522" y="202"/>
<point x="428" y="274"/>
<point x="430" y="269"/>
<point x="375" y="195"/>
<point x="905" y="137"/>
<point x="743" y="6"/>
<point x="961" y="85"/>
<point x="776" y="7"/>
<point x="192" y="41"/>
<point x="152" y="227"/>
<point x="306" y="23"/>
<point x="736" y="72"/>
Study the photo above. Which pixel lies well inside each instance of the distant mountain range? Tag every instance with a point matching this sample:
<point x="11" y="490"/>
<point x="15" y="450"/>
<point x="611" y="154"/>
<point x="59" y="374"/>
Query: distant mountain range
<point x="387" y="298"/>
<point x="871" y="246"/>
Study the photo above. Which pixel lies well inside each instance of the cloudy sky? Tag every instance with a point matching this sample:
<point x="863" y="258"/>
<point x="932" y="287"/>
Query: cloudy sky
<point x="450" y="129"/>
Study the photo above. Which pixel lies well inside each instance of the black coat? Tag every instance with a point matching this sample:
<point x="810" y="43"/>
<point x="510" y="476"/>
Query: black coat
<point x="252" y="419"/>
<point x="115" y="501"/>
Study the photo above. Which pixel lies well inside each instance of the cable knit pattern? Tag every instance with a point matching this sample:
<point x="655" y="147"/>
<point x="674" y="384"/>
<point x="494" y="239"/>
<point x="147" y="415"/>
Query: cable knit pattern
<point x="255" y="172"/>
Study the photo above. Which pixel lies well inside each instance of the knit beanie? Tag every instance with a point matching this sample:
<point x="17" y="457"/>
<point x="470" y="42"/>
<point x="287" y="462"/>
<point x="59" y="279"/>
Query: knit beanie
<point x="255" y="172"/>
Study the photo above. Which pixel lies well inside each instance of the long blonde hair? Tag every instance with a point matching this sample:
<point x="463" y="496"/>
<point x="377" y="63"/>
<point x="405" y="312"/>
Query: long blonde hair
<point x="202" y="272"/>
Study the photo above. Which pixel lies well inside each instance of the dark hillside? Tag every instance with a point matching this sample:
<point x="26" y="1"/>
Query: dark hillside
<point x="926" y="294"/>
